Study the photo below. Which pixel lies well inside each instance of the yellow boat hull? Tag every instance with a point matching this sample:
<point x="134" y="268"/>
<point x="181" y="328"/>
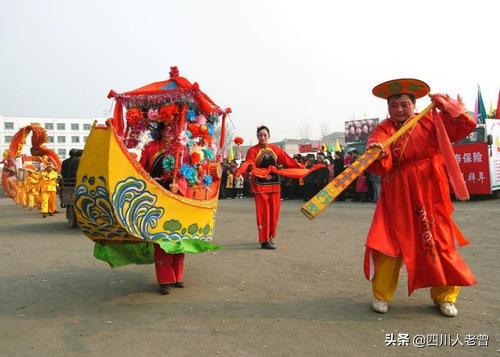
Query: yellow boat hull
<point x="117" y="201"/>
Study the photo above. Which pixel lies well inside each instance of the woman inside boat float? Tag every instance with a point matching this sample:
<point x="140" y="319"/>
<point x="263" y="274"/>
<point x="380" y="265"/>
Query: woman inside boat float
<point x="169" y="267"/>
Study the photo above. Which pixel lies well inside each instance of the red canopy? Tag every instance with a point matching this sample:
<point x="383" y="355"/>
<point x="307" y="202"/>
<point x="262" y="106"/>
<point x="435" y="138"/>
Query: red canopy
<point x="174" y="89"/>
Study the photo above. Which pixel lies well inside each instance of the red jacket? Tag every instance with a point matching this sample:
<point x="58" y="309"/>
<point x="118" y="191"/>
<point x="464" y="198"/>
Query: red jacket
<point x="264" y="156"/>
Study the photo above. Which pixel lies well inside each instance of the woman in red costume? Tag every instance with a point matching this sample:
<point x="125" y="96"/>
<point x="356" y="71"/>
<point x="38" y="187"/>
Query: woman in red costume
<point x="267" y="190"/>
<point x="169" y="267"/>
<point x="412" y="223"/>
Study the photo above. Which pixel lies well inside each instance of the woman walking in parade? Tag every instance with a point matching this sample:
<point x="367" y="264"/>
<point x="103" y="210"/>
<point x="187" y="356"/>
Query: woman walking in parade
<point x="266" y="190"/>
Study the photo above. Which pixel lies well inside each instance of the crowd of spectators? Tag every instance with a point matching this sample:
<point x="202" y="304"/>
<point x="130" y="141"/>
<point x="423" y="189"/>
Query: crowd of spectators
<point x="366" y="188"/>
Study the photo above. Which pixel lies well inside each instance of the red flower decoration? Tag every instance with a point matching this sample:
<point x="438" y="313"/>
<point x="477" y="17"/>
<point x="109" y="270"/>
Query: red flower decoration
<point x="203" y="129"/>
<point x="167" y="112"/>
<point x="194" y="129"/>
<point x="195" y="158"/>
<point x="134" y="115"/>
<point x="207" y="140"/>
<point x="238" y="140"/>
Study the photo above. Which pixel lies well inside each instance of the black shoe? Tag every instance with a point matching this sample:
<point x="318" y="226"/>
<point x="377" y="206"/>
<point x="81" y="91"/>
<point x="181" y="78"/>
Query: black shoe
<point x="164" y="289"/>
<point x="44" y="216"/>
<point x="267" y="245"/>
<point x="179" y="284"/>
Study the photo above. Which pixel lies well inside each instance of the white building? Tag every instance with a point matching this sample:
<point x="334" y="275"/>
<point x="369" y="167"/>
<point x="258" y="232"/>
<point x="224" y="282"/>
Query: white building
<point x="64" y="133"/>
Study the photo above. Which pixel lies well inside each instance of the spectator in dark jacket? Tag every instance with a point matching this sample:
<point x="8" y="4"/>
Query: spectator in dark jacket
<point x="321" y="175"/>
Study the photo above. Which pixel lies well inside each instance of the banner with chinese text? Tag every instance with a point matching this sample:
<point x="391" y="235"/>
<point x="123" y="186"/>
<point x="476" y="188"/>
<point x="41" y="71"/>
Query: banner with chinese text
<point x="473" y="162"/>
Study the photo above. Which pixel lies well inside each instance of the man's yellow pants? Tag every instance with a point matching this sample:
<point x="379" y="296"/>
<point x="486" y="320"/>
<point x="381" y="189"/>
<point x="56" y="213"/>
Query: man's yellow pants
<point x="386" y="277"/>
<point x="48" y="202"/>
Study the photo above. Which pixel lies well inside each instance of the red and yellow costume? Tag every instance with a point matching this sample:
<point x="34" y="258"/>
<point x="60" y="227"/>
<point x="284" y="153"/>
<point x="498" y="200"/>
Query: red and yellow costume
<point x="412" y="222"/>
<point x="169" y="267"/>
<point x="267" y="189"/>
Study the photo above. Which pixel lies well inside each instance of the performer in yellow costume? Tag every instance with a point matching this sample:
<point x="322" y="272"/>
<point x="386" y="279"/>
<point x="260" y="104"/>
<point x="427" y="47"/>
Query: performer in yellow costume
<point x="33" y="188"/>
<point x="20" y="194"/>
<point x="49" y="189"/>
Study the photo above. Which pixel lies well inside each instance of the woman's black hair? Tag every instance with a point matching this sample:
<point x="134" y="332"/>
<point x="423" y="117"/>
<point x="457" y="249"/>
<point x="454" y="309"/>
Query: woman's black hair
<point x="263" y="127"/>
<point x="155" y="129"/>
<point x="397" y="96"/>
<point x="160" y="126"/>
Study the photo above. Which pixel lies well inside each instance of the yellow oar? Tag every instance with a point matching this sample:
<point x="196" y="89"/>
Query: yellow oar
<point x="318" y="203"/>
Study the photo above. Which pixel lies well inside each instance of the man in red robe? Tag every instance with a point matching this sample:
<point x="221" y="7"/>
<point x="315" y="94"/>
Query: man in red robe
<point x="267" y="189"/>
<point x="412" y="223"/>
<point x="169" y="267"/>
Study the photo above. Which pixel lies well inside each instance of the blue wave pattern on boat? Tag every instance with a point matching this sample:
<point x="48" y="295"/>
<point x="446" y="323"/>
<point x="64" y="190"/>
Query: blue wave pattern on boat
<point x="131" y="207"/>
<point x="93" y="205"/>
<point x="135" y="210"/>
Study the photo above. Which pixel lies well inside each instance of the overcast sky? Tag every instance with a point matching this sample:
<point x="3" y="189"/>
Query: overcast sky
<point x="280" y="63"/>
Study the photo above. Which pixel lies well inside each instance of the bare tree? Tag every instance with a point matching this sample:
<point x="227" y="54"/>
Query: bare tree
<point x="324" y="129"/>
<point x="305" y="131"/>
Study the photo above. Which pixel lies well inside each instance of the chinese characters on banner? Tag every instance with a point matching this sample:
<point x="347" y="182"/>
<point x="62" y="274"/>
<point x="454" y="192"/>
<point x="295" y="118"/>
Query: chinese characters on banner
<point x="473" y="162"/>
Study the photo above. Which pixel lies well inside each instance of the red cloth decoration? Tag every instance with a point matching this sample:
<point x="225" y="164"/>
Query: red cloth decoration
<point x="291" y="173"/>
<point x="117" y="121"/>
<point x="454" y="174"/>
<point x="222" y="131"/>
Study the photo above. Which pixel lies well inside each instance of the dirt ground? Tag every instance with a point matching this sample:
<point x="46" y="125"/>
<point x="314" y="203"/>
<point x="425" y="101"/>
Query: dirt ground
<point x="308" y="297"/>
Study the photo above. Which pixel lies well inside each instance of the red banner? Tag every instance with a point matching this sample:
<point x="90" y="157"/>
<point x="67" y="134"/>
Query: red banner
<point x="305" y="148"/>
<point x="473" y="162"/>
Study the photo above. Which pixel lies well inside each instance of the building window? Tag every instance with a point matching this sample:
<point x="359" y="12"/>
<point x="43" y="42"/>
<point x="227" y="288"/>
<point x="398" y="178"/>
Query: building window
<point x="49" y="126"/>
<point x="61" y="152"/>
<point x="86" y="126"/>
<point x="61" y="139"/>
<point x="85" y="139"/>
<point x="75" y="126"/>
<point x="61" y="126"/>
<point x="75" y="139"/>
<point x="51" y="139"/>
<point x="8" y="139"/>
<point x="8" y="125"/>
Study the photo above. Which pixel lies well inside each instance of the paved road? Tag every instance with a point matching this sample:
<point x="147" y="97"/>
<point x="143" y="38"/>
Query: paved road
<point x="308" y="297"/>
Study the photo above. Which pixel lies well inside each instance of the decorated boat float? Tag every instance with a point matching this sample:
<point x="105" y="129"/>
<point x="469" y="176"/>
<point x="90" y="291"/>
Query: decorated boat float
<point x="124" y="200"/>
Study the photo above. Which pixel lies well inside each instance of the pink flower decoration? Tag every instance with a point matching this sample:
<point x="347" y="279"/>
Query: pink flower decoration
<point x="201" y="120"/>
<point x="153" y="114"/>
<point x="183" y="139"/>
<point x="214" y="149"/>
